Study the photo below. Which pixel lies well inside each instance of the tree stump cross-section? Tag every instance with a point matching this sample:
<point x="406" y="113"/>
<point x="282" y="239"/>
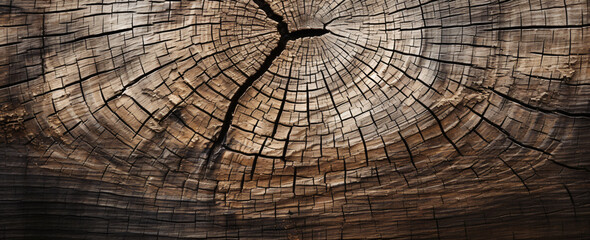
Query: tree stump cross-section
<point x="282" y="28"/>
<point x="297" y="119"/>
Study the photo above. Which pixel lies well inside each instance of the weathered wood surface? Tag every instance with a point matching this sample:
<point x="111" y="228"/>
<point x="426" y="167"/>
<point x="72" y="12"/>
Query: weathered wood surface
<point x="295" y="119"/>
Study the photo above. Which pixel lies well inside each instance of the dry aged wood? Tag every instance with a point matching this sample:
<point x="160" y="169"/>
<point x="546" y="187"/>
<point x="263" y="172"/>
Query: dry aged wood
<point x="296" y="119"/>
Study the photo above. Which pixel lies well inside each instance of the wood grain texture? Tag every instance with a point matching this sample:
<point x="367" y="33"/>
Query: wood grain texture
<point x="265" y="119"/>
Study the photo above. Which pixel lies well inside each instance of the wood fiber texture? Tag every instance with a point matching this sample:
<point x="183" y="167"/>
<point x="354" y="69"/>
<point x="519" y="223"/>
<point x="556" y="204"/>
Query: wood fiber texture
<point x="295" y="119"/>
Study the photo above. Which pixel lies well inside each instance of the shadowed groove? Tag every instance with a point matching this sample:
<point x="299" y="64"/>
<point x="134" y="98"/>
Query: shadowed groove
<point x="286" y="36"/>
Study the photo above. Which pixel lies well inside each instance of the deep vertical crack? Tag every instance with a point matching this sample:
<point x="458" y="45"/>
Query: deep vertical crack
<point x="286" y="36"/>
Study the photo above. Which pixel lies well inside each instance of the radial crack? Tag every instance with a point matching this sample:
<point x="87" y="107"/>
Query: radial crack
<point x="313" y="32"/>
<point x="286" y="36"/>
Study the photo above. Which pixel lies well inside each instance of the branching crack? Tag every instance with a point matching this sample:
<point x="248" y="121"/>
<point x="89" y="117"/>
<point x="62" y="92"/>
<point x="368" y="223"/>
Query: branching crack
<point x="286" y="36"/>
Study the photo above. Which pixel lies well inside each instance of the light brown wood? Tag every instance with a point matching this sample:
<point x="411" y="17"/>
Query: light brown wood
<point x="461" y="119"/>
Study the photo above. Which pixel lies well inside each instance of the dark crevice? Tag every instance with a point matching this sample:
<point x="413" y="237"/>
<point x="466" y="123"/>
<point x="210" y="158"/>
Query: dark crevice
<point x="306" y="33"/>
<point x="537" y="108"/>
<point x="282" y="25"/>
<point x="516" y="174"/>
<point x="408" y="150"/>
<point x="227" y="120"/>
<point x="286" y="36"/>
<point x="505" y="132"/>
<point x="568" y="166"/>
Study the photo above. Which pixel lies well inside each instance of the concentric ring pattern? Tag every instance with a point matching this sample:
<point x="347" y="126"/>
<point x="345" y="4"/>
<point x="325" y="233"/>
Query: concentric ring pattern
<point x="298" y="119"/>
